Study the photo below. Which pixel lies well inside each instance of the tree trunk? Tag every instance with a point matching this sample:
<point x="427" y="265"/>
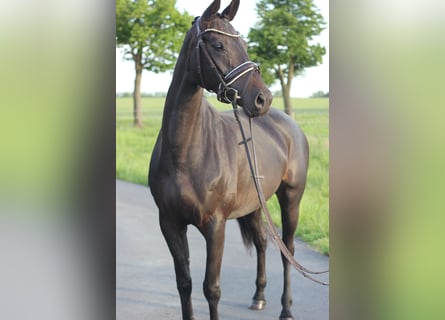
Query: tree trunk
<point x="287" y="101"/>
<point x="285" y="89"/>
<point x="137" y="104"/>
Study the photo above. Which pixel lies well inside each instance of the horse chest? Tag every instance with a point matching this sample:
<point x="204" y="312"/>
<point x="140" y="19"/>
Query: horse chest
<point x="195" y="197"/>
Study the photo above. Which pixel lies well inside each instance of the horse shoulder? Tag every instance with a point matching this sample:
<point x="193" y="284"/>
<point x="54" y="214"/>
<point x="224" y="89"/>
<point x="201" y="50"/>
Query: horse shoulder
<point x="297" y="146"/>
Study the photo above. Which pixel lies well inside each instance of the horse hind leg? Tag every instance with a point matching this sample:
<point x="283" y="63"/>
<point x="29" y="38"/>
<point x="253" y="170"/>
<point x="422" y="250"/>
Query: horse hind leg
<point x="176" y="238"/>
<point x="252" y="231"/>
<point x="289" y="199"/>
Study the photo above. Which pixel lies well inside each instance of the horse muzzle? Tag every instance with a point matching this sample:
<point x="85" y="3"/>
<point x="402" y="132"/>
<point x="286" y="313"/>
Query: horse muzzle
<point x="256" y="103"/>
<point x="262" y="102"/>
<point x="245" y="91"/>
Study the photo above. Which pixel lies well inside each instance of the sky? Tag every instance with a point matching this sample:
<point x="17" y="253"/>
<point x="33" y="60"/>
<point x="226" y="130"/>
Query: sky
<point x="314" y="79"/>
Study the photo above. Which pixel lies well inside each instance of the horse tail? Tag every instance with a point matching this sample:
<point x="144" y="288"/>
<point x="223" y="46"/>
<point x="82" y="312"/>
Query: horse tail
<point x="246" y="232"/>
<point x="251" y="227"/>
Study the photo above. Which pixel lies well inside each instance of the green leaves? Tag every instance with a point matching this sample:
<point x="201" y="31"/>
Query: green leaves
<point x="151" y="32"/>
<point x="282" y="38"/>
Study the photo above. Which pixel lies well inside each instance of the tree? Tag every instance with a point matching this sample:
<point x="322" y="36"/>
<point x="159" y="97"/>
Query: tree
<point x="320" y="94"/>
<point x="282" y="41"/>
<point x="151" y="34"/>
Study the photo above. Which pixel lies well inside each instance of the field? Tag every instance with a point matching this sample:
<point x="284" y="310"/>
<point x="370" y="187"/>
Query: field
<point x="134" y="146"/>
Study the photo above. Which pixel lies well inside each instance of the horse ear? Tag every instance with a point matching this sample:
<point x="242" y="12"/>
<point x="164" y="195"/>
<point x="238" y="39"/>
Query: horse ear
<point x="231" y="10"/>
<point x="211" y="10"/>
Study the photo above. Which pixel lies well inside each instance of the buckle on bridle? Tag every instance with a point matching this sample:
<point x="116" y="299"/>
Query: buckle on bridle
<point x="227" y="94"/>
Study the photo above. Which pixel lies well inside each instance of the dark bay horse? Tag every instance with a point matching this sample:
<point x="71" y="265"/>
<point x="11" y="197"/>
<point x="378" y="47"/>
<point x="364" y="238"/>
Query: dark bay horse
<point x="199" y="173"/>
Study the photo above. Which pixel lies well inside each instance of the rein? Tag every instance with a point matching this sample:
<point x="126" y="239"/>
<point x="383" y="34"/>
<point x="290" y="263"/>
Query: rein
<point x="273" y="233"/>
<point x="228" y="94"/>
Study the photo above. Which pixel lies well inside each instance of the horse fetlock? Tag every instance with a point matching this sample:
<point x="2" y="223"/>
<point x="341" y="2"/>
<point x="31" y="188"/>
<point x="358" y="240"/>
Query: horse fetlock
<point x="261" y="283"/>
<point x="286" y="300"/>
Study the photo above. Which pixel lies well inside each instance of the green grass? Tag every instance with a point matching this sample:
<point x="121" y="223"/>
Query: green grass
<point x="134" y="146"/>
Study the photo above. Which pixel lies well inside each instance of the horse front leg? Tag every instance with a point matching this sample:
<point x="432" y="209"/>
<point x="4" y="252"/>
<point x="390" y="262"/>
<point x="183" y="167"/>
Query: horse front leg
<point x="176" y="238"/>
<point x="214" y="232"/>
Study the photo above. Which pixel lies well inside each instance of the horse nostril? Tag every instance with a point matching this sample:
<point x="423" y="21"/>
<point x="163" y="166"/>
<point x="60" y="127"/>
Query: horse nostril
<point x="260" y="100"/>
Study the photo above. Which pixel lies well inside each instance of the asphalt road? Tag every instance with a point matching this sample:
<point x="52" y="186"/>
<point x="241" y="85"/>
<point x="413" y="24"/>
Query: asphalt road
<point x="145" y="279"/>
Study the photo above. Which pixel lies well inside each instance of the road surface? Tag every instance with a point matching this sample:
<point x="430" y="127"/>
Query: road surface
<point x="145" y="279"/>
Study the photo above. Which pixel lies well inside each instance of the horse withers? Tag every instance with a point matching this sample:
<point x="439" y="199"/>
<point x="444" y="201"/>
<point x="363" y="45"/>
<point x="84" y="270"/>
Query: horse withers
<point x="199" y="174"/>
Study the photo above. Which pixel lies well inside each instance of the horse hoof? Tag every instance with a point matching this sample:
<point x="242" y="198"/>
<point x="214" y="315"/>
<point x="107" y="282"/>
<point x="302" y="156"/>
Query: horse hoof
<point x="258" y="304"/>
<point x="287" y="316"/>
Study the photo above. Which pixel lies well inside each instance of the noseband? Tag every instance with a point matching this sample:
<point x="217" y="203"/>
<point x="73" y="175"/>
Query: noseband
<point x="225" y="93"/>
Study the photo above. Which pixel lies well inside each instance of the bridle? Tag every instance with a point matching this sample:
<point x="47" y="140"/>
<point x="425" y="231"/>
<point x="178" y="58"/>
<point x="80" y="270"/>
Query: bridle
<point x="225" y="92"/>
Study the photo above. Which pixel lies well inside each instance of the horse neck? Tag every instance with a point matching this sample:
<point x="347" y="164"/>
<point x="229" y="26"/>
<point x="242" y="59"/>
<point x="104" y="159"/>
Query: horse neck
<point x="183" y="111"/>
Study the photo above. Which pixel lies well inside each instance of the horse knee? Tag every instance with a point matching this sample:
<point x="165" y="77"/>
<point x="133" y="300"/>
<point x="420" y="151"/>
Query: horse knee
<point x="185" y="286"/>
<point x="212" y="292"/>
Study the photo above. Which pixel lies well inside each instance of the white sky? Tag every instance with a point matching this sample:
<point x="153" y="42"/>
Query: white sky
<point x="314" y="79"/>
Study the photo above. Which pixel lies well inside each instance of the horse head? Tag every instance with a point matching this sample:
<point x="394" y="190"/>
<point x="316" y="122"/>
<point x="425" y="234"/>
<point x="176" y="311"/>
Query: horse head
<point x="222" y="64"/>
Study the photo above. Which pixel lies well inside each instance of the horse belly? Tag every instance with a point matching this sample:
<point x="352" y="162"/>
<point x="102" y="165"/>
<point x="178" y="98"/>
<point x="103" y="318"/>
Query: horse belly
<point x="250" y="202"/>
<point x="242" y="211"/>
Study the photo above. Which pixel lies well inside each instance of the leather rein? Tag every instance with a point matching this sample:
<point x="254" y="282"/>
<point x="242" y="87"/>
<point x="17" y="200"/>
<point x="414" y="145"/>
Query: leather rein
<point x="228" y="94"/>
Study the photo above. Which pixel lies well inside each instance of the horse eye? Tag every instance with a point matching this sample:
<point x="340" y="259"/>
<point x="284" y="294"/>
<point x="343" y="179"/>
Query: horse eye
<point x="218" y="46"/>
